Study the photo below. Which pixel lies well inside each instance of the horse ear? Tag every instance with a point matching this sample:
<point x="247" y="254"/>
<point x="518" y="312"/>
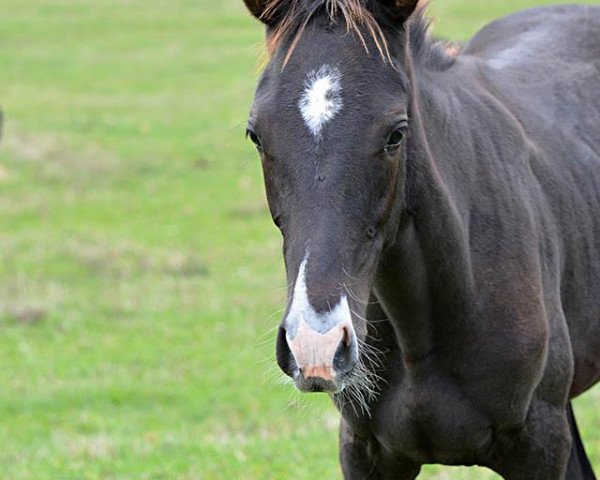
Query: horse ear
<point x="256" y="7"/>
<point x="263" y="10"/>
<point x="396" y="11"/>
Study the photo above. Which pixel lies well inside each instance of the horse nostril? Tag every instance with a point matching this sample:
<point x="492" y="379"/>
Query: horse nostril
<point x="346" y="337"/>
<point x="344" y="359"/>
<point x="285" y="359"/>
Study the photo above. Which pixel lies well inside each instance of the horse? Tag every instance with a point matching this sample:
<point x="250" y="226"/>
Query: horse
<point x="440" y="212"/>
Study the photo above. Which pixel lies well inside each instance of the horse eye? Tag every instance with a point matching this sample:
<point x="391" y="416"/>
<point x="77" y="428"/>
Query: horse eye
<point x="394" y="141"/>
<point x="254" y="139"/>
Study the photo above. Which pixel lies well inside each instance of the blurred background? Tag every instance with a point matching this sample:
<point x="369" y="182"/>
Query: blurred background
<point x="141" y="280"/>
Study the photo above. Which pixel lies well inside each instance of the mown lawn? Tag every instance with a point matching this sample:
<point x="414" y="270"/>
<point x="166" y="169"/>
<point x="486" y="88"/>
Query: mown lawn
<point x="140" y="277"/>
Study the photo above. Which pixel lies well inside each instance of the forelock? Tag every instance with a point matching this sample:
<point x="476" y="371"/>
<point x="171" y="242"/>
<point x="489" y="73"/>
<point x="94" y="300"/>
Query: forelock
<point x="293" y="17"/>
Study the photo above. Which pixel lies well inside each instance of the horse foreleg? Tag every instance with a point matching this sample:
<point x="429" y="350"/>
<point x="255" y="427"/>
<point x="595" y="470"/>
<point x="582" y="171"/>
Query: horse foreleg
<point x="537" y="450"/>
<point x="579" y="467"/>
<point x="361" y="459"/>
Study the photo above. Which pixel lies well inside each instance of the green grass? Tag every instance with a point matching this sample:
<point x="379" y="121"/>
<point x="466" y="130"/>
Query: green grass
<point x="140" y="277"/>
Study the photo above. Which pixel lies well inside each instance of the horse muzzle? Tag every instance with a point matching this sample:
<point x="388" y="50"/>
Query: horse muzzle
<point x="318" y="359"/>
<point x="318" y="349"/>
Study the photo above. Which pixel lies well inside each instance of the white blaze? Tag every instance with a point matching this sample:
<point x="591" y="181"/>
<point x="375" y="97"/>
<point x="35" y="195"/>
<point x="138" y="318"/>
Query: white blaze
<point x="321" y="99"/>
<point x="302" y="310"/>
<point x="314" y="338"/>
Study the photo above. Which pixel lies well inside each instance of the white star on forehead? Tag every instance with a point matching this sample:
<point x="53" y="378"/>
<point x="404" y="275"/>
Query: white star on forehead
<point x="321" y="99"/>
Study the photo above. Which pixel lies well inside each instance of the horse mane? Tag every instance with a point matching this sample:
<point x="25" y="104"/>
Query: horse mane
<point x="293" y="17"/>
<point x="427" y="50"/>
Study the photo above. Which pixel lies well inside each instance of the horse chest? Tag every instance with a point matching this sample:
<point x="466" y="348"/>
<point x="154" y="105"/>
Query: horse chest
<point x="430" y="420"/>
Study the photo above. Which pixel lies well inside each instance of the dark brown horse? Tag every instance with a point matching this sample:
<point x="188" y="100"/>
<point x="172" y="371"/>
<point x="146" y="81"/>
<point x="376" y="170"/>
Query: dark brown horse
<point x="440" y="209"/>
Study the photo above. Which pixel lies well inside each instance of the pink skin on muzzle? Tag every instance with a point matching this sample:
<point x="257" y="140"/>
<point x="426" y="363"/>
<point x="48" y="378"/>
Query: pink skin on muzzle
<point x="314" y="352"/>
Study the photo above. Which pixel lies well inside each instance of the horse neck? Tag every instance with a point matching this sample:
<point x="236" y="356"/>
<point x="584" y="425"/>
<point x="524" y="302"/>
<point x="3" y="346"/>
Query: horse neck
<point x="424" y="278"/>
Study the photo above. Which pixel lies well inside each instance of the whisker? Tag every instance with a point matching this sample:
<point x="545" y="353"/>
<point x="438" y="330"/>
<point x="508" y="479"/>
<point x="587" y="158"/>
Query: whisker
<point x="359" y="316"/>
<point x="283" y="287"/>
<point x="266" y="341"/>
<point x="348" y="274"/>
<point x="352" y="295"/>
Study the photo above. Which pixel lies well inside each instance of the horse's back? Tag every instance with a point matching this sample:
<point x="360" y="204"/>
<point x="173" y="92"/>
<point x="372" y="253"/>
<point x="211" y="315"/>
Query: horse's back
<point x="545" y="65"/>
<point x="564" y="34"/>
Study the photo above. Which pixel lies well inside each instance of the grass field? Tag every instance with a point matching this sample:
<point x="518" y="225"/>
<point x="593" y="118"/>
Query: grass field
<point x="140" y="277"/>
